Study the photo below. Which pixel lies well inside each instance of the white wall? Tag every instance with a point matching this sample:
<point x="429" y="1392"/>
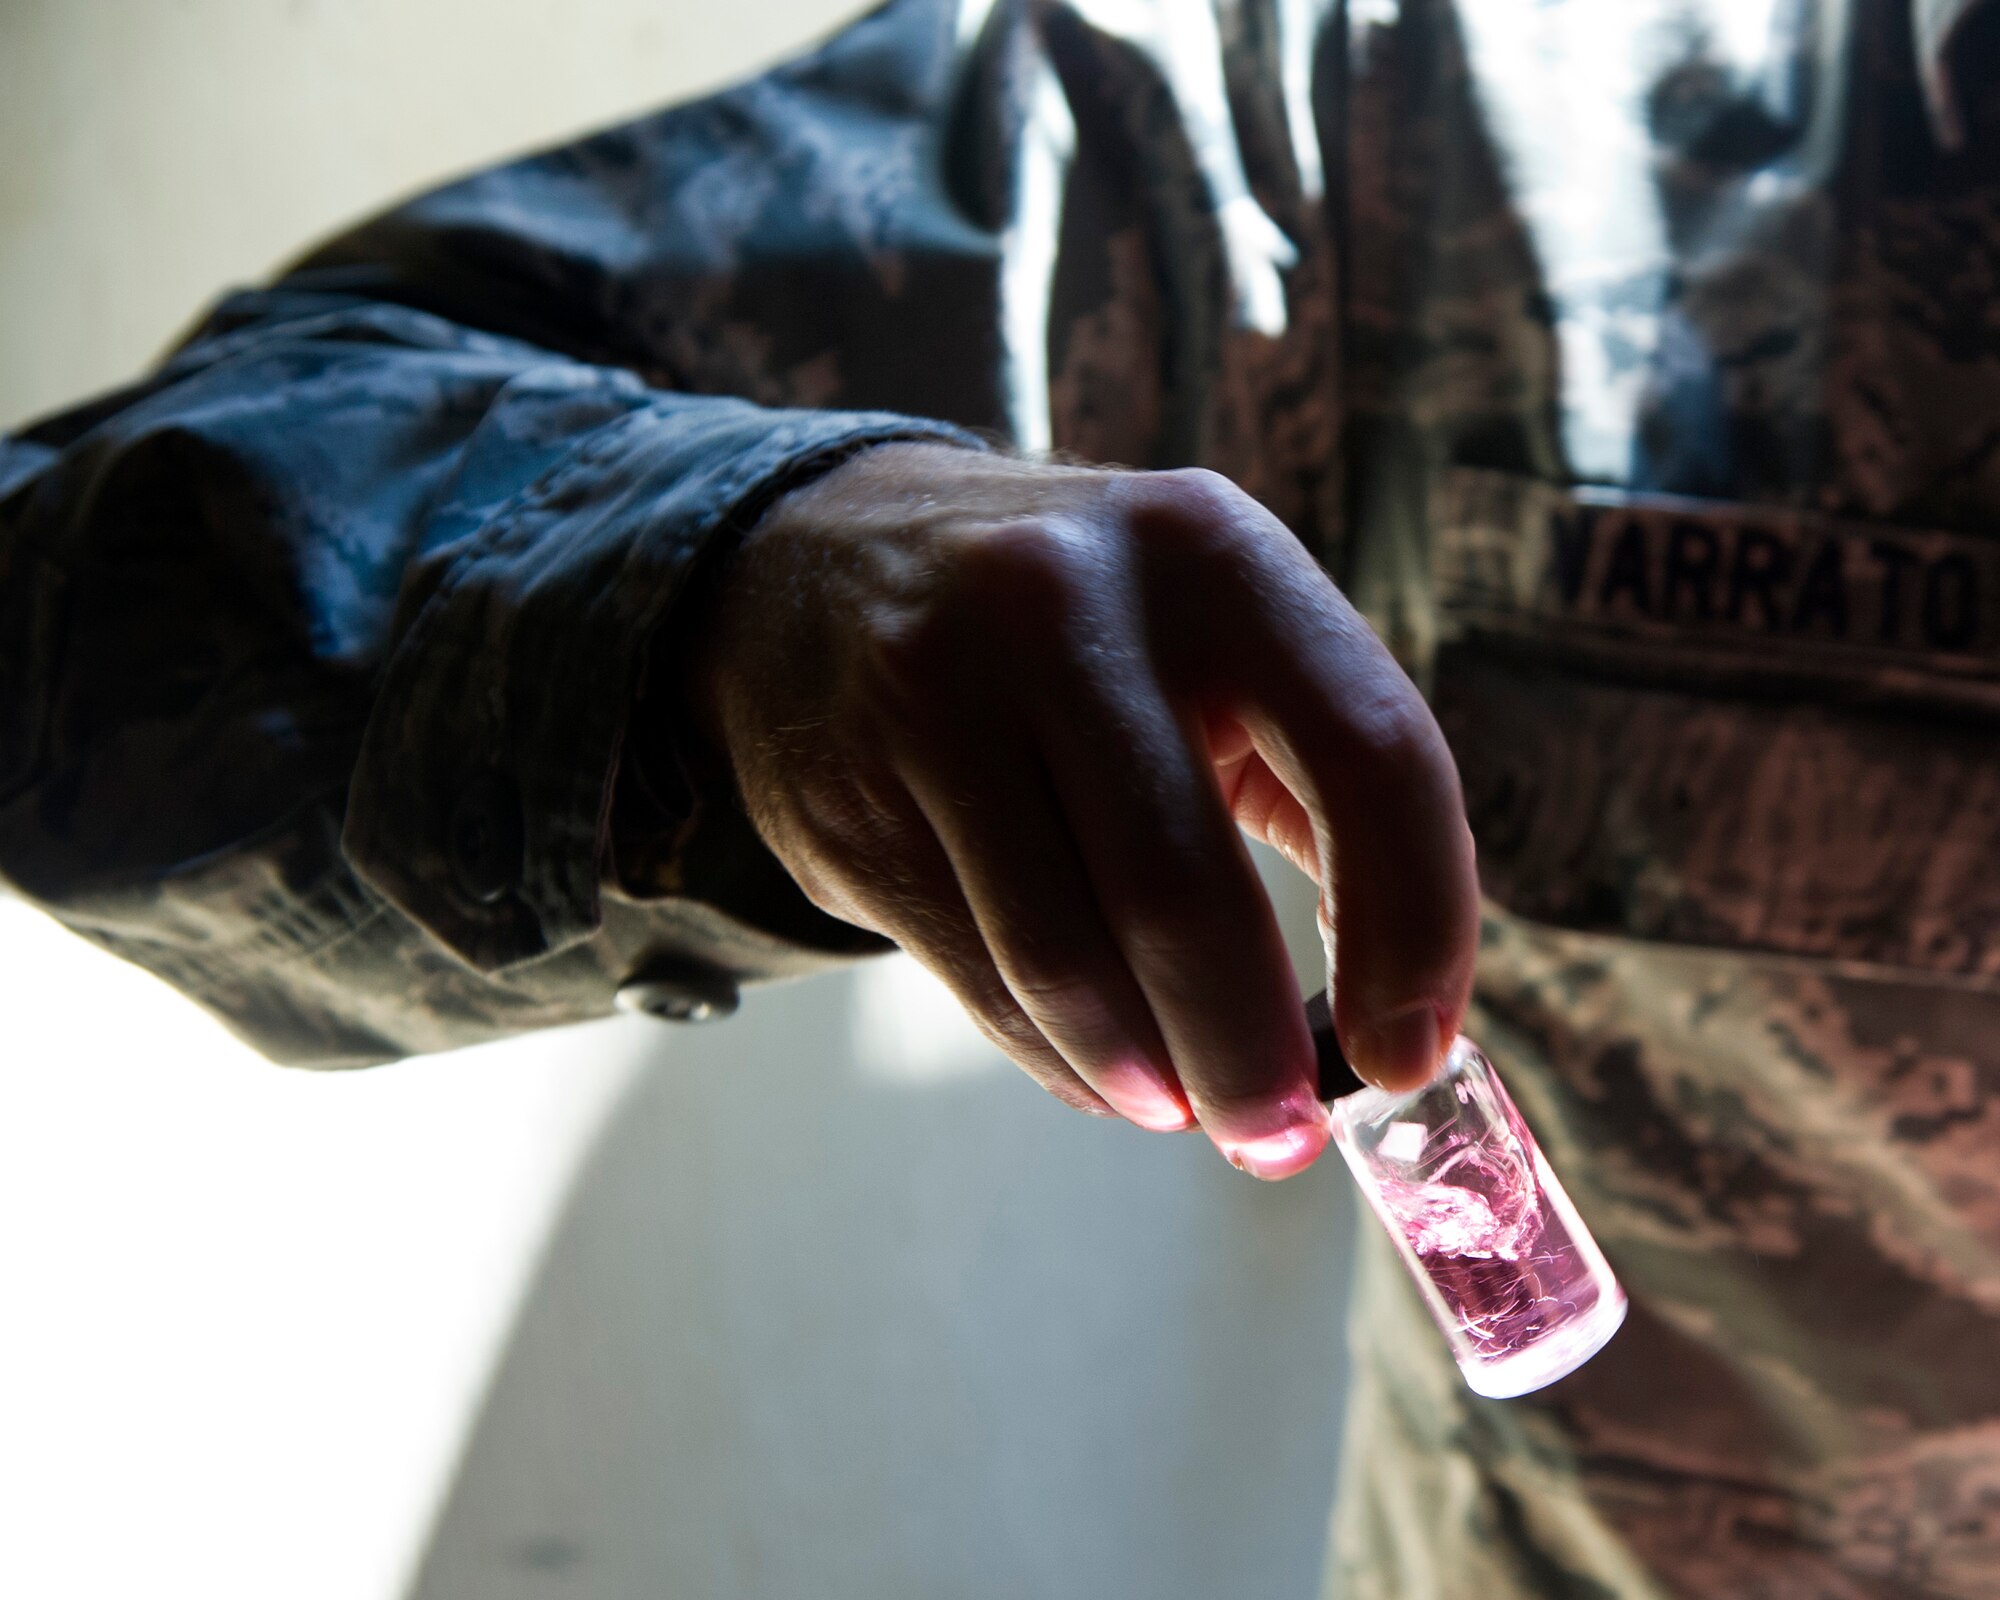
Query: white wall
<point x="842" y="1309"/>
<point x="246" y="1314"/>
<point x="824" y="1302"/>
<point x="157" y="150"/>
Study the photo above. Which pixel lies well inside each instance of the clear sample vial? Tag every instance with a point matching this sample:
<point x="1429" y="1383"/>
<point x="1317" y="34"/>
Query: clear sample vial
<point x="1506" y="1266"/>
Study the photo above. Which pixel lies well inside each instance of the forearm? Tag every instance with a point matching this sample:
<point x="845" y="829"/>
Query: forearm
<point x="324" y="649"/>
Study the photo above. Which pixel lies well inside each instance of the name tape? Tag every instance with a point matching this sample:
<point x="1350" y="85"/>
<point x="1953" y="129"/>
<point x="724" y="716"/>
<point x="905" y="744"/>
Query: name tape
<point x="1520" y="555"/>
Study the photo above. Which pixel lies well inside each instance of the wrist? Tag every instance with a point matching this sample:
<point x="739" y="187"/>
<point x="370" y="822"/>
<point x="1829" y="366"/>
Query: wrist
<point x="746" y="589"/>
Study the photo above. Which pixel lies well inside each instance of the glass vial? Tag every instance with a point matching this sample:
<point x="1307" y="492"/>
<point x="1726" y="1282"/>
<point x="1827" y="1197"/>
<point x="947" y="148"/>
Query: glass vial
<point x="1506" y="1266"/>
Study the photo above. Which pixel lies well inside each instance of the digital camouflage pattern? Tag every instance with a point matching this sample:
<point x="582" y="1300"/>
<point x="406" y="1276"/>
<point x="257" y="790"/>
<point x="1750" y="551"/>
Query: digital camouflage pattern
<point x="1726" y="722"/>
<point x="1635" y="365"/>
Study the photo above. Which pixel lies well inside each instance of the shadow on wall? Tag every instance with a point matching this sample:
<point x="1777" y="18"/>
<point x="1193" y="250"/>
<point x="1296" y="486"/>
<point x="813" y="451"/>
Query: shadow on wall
<point x="842" y="1308"/>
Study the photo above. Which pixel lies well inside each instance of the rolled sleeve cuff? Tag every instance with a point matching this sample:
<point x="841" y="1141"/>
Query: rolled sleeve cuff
<point x="480" y="799"/>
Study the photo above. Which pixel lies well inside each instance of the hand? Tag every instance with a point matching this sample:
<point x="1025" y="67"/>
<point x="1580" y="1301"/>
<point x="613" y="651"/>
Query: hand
<point x="1012" y="717"/>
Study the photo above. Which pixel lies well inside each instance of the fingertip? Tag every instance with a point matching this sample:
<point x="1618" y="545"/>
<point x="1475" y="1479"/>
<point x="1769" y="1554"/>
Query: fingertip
<point x="1281" y="1139"/>
<point x="1138" y="1090"/>
<point x="1399" y="1051"/>
<point x="1280" y="1155"/>
<point x="1148" y="1106"/>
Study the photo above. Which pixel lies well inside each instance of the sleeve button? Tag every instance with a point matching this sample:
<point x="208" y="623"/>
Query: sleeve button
<point x="486" y="841"/>
<point x="676" y="990"/>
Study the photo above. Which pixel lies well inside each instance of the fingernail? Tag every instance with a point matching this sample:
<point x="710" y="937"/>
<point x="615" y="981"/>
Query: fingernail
<point x="1399" y="1051"/>
<point x="1146" y="1103"/>
<point x="1166" y="1118"/>
<point x="1281" y="1154"/>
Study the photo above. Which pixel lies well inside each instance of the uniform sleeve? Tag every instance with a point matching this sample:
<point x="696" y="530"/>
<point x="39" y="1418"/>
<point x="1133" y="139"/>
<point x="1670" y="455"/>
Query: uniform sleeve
<point x="319" y="649"/>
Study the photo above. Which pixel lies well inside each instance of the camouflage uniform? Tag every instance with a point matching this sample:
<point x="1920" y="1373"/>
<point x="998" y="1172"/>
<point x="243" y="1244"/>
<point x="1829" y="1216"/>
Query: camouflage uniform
<point x="1636" y="366"/>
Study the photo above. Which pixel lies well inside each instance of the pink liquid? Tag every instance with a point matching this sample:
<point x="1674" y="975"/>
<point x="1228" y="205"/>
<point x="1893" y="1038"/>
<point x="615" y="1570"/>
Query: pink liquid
<point x="1497" y="1252"/>
<point x="1511" y="1274"/>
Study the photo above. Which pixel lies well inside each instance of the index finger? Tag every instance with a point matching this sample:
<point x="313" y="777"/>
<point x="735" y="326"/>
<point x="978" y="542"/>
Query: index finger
<point x="1346" y="732"/>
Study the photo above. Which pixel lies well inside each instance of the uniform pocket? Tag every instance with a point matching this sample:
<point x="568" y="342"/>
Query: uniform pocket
<point x="1725" y="725"/>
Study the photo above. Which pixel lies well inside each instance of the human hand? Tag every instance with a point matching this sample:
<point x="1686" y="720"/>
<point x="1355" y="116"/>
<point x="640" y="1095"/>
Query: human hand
<point x="1012" y="716"/>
